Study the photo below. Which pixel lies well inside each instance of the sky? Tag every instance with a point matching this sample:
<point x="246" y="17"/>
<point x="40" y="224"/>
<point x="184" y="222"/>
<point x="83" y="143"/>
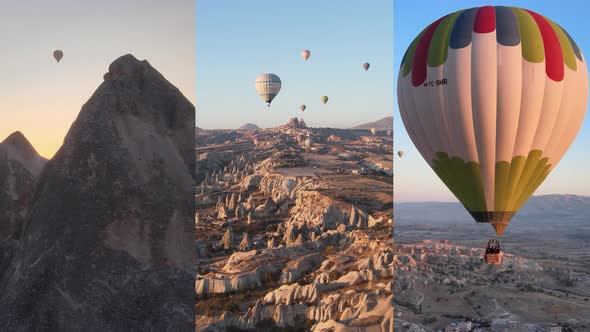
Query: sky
<point x="237" y="40"/>
<point x="42" y="98"/>
<point x="414" y="179"/>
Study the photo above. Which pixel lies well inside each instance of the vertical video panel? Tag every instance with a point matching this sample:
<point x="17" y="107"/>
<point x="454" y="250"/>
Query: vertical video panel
<point x="294" y="166"/>
<point x="96" y="168"/>
<point x="492" y="193"/>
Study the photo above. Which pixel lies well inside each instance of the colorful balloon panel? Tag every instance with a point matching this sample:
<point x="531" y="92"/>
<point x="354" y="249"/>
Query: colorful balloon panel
<point x="493" y="97"/>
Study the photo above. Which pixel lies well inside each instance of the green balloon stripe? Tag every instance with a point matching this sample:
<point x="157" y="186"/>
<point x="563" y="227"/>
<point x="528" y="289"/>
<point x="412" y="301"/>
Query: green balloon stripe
<point x="530" y="36"/>
<point x="409" y="57"/>
<point x="515" y="181"/>
<point x="439" y="45"/>
<point x="567" y="49"/>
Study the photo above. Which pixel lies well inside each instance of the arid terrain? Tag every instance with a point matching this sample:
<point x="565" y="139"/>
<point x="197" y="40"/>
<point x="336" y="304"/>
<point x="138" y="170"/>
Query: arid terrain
<point x="294" y="229"/>
<point x="440" y="276"/>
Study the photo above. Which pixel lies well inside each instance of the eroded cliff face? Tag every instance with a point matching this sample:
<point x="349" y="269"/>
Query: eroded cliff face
<point x="108" y="242"/>
<point x="20" y="166"/>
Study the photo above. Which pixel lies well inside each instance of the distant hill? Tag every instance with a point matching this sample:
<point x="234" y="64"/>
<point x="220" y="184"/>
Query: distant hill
<point x="249" y="126"/>
<point x="383" y="124"/>
<point x="537" y="207"/>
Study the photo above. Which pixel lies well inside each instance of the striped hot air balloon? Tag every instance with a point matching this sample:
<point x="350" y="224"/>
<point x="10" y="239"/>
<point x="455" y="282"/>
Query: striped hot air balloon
<point x="268" y="86"/>
<point x="493" y="97"/>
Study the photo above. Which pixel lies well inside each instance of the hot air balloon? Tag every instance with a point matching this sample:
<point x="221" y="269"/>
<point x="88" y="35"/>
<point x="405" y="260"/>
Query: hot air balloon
<point x="302" y="108"/>
<point x="308" y="142"/>
<point x="256" y="141"/>
<point x="400" y="153"/>
<point x="305" y="54"/>
<point x="373" y="131"/>
<point x="389" y="133"/>
<point x="492" y="98"/>
<point x="366" y="66"/>
<point x="324" y="99"/>
<point x="268" y="86"/>
<point x="57" y="55"/>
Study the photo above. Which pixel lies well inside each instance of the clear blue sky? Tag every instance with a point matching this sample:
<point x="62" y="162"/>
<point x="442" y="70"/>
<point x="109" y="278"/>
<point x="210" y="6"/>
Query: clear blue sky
<point x="238" y="39"/>
<point x="414" y="180"/>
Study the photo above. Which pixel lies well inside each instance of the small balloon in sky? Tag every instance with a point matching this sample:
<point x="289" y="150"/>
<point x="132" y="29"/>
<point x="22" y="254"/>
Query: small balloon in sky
<point x="305" y="54"/>
<point x="58" y="54"/>
<point x="324" y="99"/>
<point x="366" y="66"/>
<point x="268" y="86"/>
<point x="302" y="108"/>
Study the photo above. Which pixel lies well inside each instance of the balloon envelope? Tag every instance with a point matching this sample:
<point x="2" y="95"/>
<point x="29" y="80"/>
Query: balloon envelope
<point x="305" y="54"/>
<point x="58" y="55"/>
<point x="302" y="108"/>
<point x="400" y="153"/>
<point x="492" y="98"/>
<point x="324" y="99"/>
<point x="268" y="86"/>
<point x="373" y="131"/>
<point x="366" y="66"/>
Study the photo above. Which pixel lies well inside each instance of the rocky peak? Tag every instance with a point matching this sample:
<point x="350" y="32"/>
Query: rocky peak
<point x="17" y="147"/>
<point x="113" y="208"/>
<point x="294" y="123"/>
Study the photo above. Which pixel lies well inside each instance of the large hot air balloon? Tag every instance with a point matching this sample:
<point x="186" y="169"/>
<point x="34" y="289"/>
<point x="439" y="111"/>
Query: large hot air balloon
<point x="268" y="86"/>
<point x="302" y="108"/>
<point x="493" y="97"/>
<point x="324" y="99"/>
<point x="305" y="54"/>
<point x="373" y="131"/>
<point x="366" y="66"/>
<point x="400" y="153"/>
<point x="57" y="55"/>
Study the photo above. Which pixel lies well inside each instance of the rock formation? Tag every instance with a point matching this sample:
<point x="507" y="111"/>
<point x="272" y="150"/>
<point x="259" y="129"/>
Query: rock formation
<point x="20" y="166"/>
<point x="108" y="244"/>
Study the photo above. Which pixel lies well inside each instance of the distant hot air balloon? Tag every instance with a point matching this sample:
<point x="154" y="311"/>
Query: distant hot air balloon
<point x="400" y="153"/>
<point x="324" y="99"/>
<point x="373" y="131"/>
<point x="492" y="97"/>
<point x="256" y="141"/>
<point x="366" y="66"/>
<point x="308" y="142"/>
<point x="268" y="86"/>
<point x="305" y="54"/>
<point x="302" y="108"/>
<point x="389" y="133"/>
<point x="57" y="54"/>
